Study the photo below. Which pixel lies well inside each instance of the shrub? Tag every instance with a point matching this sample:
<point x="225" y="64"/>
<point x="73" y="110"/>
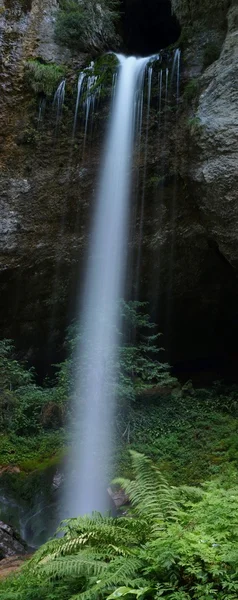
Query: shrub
<point x="28" y="408"/>
<point x="87" y="25"/>
<point x="138" y="366"/>
<point x="43" y="78"/>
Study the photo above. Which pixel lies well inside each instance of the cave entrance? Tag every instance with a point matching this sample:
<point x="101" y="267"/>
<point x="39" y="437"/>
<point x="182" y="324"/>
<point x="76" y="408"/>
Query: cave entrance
<point x="149" y="26"/>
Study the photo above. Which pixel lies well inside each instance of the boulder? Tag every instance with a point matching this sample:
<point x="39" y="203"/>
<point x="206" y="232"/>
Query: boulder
<point x="11" y="543"/>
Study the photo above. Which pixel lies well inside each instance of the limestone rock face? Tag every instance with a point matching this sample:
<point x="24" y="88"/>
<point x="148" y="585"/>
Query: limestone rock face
<point x="215" y="167"/>
<point x="190" y="250"/>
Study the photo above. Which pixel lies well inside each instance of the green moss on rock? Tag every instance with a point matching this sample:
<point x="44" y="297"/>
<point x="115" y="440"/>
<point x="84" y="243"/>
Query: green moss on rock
<point x="43" y="78"/>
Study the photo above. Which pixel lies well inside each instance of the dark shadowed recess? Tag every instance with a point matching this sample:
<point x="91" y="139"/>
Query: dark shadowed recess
<point x="148" y="26"/>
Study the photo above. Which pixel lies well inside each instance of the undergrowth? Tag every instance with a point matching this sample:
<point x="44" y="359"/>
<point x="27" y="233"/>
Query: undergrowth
<point x="176" y="543"/>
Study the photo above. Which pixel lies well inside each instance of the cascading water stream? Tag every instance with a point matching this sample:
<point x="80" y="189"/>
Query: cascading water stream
<point x="58" y="102"/>
<point x="79" y="94"/>
<point x="89" y="104"/>
<point x="97" y="349"/>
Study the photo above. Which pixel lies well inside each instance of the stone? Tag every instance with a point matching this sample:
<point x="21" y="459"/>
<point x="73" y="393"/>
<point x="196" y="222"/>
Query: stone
<point x="119" y="497"/>
<point x="10" y="542"/>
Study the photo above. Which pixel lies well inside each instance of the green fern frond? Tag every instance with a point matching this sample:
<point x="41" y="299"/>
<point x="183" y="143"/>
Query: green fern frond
<point x="72" y="566"/>
<point x="120" y="571"/>
<point x="96" y="532"/>
<point x="149" y="492"/>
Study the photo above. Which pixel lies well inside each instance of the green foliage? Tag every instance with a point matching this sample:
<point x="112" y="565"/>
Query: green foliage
<point x="87" y="25"/>
<point x="175" y="543"/>
<point x="175" y="429"/>
<point x="211" y="54"/>
<point x="33" y="452"/>
<point x="12" y="373"/>
<point x="27" y="408"/>
<point x="43" y="78"/>
<point x="138" y="367"/>
<point x="104" y="69"/>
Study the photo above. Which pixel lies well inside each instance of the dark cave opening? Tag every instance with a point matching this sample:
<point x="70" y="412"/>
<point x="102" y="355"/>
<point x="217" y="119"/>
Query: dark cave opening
<point x="148" y="26"/>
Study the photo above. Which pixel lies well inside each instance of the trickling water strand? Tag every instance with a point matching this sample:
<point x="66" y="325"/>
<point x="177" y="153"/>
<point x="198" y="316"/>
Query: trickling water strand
<point x="42" y="106"/>
<point x="142" y="207"/>
<point x="89" y="103"/>
<point x="59" y="102"/>
<point x="114" y="83"/>
<point x="79" y="94"/>
<point x="176" y="68"/>
<point x="138" y="116"/>
<point x="169" y="304"/>
<point x="97" y="350"/>
<point x="166" y="87"/>
<point x="159" y="201"/>
<point x="160" y="94"/>
<point x="178" y="75"/>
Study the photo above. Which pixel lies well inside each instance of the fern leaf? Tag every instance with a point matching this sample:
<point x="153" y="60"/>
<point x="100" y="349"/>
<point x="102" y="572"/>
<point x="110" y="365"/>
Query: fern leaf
<point x="73" y="565"/>
<point x="120" y="571"/>
<point x="149" y="492"/>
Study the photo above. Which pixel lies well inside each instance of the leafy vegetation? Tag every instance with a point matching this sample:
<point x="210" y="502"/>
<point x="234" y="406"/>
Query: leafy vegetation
<point x="27" y="408"/>
<point x="178" y="538"/>
<point x="177" y="428"/>
<point x="175" y="543"/>
<point x="87" y="25"/>
<point x="43" y="78"/>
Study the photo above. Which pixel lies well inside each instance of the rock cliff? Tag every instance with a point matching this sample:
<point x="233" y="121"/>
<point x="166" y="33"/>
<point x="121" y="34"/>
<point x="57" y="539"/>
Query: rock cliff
<point x="46" y="197"/>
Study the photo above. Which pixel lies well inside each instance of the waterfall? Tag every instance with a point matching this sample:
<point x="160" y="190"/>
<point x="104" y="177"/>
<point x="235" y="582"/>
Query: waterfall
<point x="97" y="349"/>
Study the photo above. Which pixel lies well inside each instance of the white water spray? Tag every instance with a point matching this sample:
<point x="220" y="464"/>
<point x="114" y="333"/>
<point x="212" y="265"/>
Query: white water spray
<point x="97" y="351"/>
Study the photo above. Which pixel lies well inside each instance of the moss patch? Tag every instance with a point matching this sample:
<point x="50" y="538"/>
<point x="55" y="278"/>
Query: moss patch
<point x="31" y="453"/>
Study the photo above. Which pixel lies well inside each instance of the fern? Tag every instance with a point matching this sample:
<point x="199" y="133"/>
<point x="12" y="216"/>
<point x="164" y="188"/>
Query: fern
<point x="177" y="544"/>
<point x="79" y="564"/>
<point x="120" y="571"/>
<point x="150" y="493"/>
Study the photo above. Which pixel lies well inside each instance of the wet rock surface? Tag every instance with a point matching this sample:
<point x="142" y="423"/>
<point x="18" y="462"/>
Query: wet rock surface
<point x="189" y="258"/>
<point x="10" y="542"/>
